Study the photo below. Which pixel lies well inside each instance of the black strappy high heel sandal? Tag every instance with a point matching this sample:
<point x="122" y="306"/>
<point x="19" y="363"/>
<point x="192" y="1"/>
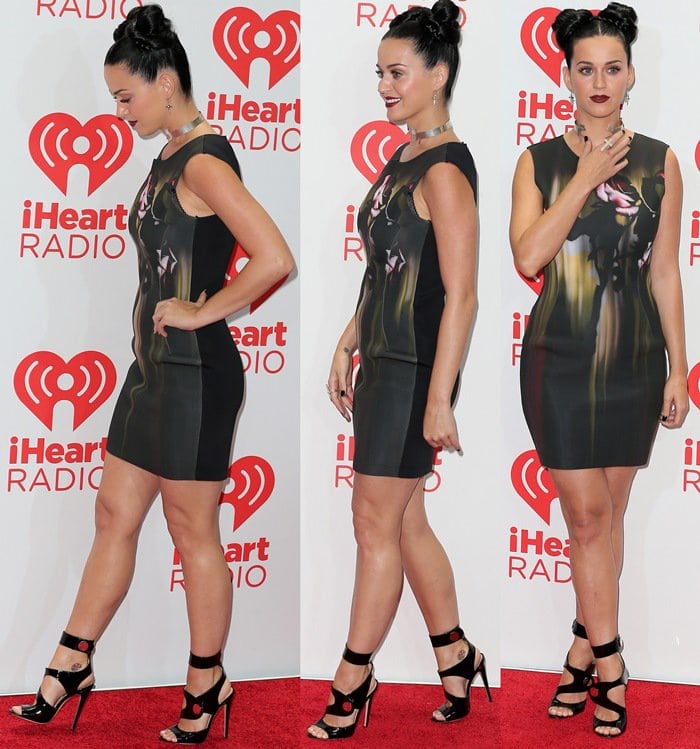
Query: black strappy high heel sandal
<point x="599" y="691"/>
<point x="467" y="669"/>
<point x="41" y="711"/>
<point x="344" y="705"/>
<point x="208" y="703"/>
<point x="581" y="680"/>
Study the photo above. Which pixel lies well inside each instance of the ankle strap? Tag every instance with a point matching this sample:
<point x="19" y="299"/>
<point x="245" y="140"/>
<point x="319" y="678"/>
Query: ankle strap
<point x="357" y="659"/>
<point x="447" y="638"/>
<point x="610" y="648"/>
<point x="77" y="643"/>
<point x="210" y="661"/>
<point x="579" y="630"/>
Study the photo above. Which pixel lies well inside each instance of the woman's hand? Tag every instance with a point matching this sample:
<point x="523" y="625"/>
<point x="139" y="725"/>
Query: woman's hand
<point x="675" y="406"/>
<point x="597" y="165"/>
<point x="340" y="381"/>
<point x="440" y="428"/>
<point x="177" y="313"/>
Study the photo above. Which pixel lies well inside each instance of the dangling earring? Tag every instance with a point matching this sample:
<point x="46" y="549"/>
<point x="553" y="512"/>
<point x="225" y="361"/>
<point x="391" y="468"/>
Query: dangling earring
<point x="435" y="98"/>
<point x="627" y="98"/>
<point x="571" y="98"/>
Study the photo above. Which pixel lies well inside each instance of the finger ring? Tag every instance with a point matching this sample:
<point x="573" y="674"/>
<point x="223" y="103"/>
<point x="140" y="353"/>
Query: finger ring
<point x="664" y="418"/>
<point x="607" y="143"/>
<point x="342" y="394"/>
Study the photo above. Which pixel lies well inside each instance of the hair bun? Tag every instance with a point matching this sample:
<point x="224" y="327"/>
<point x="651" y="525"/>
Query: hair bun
<point x="147" y="27"/>
<point x="623" y="17"/>
<point x="444" y="21"/>
<point x="566" y="23"/>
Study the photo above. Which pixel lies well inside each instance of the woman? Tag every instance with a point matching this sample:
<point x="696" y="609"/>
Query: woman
<point x="173" y="423"/>
<point x="599" y="210"/>
<point x="411" y="326"/>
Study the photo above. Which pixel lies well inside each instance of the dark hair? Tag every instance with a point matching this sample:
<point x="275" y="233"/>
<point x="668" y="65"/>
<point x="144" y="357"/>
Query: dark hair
<point x="435" y="34"/>
<point x="146" y="43"/>
<point x="615" y="20"/>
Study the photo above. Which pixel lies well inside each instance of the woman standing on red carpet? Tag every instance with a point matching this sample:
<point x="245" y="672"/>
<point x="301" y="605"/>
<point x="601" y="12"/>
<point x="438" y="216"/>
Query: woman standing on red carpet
<point x="599" y="210"/>
<point x="173" y="423"/>
<point x="418" y="224"/>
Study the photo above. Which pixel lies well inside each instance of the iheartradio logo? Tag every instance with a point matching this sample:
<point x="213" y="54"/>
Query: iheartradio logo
<point x="533" y="483"/>
<point x="251" y="481"/>
<point x="241" y="36"/>
<point x="58" y="142"/>
<point x="373" y="145"/>
<point x="694" y="385"/>
<point x="42" y="379"/>
<point x="239" y="260"/>
<point x="537" y="38"/>
<point x="535" y="283"/>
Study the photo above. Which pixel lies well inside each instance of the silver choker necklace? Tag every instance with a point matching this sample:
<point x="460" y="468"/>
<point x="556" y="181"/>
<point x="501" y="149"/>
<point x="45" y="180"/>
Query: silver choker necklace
<point x="172" y="134"/>
<point x="421" y="134"/>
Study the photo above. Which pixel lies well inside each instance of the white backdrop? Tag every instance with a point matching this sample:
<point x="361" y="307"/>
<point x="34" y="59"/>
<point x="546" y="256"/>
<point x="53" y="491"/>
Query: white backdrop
<point x="61" y="300"/>
<point x="494" y="508"/>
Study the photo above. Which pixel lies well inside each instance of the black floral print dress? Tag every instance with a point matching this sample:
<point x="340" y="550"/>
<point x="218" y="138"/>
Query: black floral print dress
<point x="398" y="317"/>
<point x="177" y="408"/>
<point x="593" y="362"/>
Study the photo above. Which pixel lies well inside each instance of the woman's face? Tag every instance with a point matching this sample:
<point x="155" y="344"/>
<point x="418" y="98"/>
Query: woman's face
<point x="140" y="103"/>
<point x="599" y="75"/>
<point x="405" y="84"/>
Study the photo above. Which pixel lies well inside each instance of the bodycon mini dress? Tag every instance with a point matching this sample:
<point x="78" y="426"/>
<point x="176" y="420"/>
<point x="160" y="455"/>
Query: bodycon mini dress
<point x="177" y="409"/>
<point x="398" y="317"/>
<point x="593" y="363"/>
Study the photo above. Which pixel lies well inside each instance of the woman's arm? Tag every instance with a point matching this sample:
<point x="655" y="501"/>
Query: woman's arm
<point x="218" y="187"/>
<point x="450" y="201"/>
<point x="666" y="287"/>
<point x="536" y="235"/>
<point x="340" y="376"/>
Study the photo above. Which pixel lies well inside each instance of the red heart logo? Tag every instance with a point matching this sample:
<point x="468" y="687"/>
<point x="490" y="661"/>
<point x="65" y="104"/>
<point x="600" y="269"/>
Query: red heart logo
<point x="538" y="41"/>
<point x="252" y="482"/>
<point x="697" y="155"/>
<point x="373" y="145"/>
<point x="58" y="142"/>
<point x="43" y="379"/>
<point x="694" y="385"/>
<point x="533" y="483"/>
<point x="535" y="283"/>
<point x="241" y="36"/>
<point x="239" y="260"/>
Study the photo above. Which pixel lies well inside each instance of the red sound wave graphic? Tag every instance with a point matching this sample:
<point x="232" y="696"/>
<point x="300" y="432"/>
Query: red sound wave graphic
<point x="58" y="142"/>
<point x="533" y="483"/>
<point x="373" y="145"/>
<point x="538" y="42"/>
<point x="91" y="377"/>
<point x="252" y="482"/>
<point x="241" y="36"/>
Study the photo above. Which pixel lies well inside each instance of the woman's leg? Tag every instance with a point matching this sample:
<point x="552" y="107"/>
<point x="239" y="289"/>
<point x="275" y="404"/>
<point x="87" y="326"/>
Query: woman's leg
<point x="125" y="494"/>
<point x="191" y="509"/>
<point x="619" y="481"/>
<point x="429" y="573"/>
<point x="378" y="505"/>
<point x="588" y="507"/>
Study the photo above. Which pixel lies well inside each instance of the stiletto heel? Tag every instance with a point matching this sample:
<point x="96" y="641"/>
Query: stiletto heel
<point x="599" y="691"/>
<point x="43" y="712"/>
<point x="344" y="705"/>
<point x="207" y="702"/>
<point x="467" y="669"/>
<point x="581" y="680"/>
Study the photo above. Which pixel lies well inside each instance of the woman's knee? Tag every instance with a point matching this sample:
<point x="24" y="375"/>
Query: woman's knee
<point x="588" y="522"/>
<point x="113" y="517"/>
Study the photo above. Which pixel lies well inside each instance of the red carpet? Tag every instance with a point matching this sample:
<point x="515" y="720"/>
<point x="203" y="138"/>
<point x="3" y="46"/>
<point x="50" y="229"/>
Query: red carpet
<point x="274" y="714"/>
